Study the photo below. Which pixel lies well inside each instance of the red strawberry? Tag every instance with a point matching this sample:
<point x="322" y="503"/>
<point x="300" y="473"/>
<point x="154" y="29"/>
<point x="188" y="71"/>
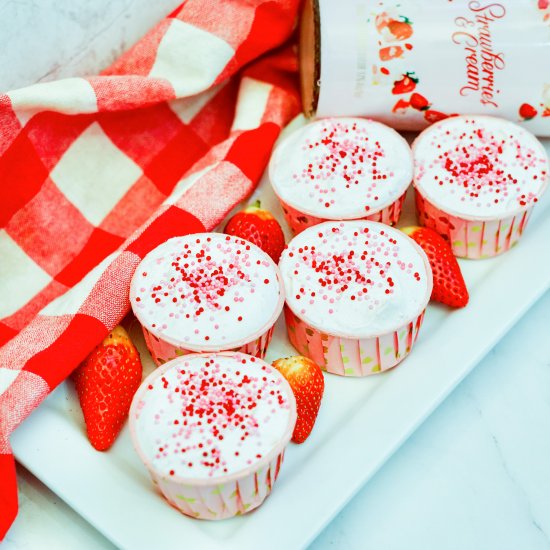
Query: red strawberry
<point x="105" y="383"/>
<point x="449" y="286"/>
<point x="306" y="380"/>
<point x="260" y="228"/>
<point x="406" y="84"/>
<point x="419" y="102"/>
<point x="527" y="112"/>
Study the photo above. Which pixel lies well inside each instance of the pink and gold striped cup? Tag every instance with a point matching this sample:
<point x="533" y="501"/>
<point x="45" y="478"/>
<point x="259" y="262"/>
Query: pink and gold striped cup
<point x="356" y="292"/>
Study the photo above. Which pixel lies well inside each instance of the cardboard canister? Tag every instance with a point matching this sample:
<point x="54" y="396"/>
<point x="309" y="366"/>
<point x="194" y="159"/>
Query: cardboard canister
<point x="410" y="63"/>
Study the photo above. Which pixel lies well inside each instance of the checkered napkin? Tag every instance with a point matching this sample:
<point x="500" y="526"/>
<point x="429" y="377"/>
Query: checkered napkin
<point x="95" y="172"/>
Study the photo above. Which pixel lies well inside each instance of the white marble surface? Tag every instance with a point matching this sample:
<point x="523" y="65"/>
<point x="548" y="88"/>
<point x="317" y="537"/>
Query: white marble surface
<point x="476" y="475"/>
<point x="44" y="40"/>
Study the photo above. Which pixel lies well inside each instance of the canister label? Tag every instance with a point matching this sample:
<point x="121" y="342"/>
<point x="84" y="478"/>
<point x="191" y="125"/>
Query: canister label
<point x="413" y="62"/>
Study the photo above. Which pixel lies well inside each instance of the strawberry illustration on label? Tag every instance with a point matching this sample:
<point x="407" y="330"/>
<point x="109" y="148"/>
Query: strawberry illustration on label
<point x="392" y="29"/>
<point x="543" y="4"/>
<point x="400" y="30"/>
<point x="527" y="112"/>
<point x="435" y="116"/>
<point x="400" y="107"/>
<point x="382" y="20"/>
<point x="405" y="85"/>
<point x="419" y="102"/>
<point x="391" y="52"/>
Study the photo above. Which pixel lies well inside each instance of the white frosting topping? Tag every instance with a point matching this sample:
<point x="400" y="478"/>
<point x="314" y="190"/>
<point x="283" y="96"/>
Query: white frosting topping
<point x="207" y="416"/>
<point x="341" y="168"/>
<point x="355" y="278"/>
<point x="479" y="166"/>
<point x="207" y="291"/>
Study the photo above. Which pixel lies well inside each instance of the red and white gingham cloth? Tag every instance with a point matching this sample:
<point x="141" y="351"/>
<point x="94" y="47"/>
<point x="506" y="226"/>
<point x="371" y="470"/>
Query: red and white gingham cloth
<point x="95" y="172"/>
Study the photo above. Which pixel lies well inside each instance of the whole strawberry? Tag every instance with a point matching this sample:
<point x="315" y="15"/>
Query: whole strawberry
<point x="106" y="383"/>
<point x="306" y="380"/>
<point x="449" y="287"/>
<point x="260" y="228"/>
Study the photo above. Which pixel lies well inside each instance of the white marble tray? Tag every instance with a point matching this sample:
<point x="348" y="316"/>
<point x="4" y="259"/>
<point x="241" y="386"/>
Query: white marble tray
<point x="361" y="422"/>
